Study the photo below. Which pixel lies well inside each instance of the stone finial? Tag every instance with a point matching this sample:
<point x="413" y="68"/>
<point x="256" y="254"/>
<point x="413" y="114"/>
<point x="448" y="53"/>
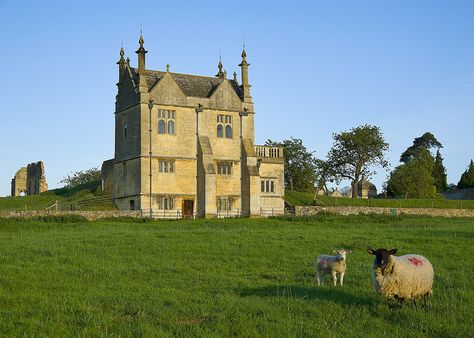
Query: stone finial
<point x="128" y="61"/>
<point x="167" y="67"/>
<point x="141" y="55"/>
<point x="235" y="76"/>
<point x="121" y="62"/>
<point x="244" y="54"/>
<point x="220" y="73"/>
<point x="225" y="74"/>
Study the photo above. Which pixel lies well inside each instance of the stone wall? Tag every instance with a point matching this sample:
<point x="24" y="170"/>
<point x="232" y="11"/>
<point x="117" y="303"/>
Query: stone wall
<point x="19" y="182"/>
<point x="348" y="210"/>
<point x="90" y="215"/>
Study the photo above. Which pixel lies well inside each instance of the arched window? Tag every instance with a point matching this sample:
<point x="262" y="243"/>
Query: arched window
<point x="228" y="131"/>
<point x="220" y="130"/>
<point x="161" y="126"/>
<point x="170" y="127"/>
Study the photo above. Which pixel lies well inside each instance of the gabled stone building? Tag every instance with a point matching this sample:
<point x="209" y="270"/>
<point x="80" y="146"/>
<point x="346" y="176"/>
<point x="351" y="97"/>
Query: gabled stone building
<point x="200" y="140"/>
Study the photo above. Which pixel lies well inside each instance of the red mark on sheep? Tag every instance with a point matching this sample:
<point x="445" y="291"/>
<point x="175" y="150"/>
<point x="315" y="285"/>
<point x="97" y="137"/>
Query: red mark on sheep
<point x="415" y="261"/>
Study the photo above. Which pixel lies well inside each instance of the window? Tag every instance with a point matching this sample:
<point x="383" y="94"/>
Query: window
<point x="166" y="166"/>
<point x="224" y="168"/>
<point x="166" y="122"/>
<point x="224" y="203"/>
<point x="224" y="121"/>
<point x="228" y="131"/>
<point x="267" y="185"/>
<point x="220" y="130"/>
<point x="165" y="202"/>
<point x="124" y="126"/>
<point x="132" y="204"/>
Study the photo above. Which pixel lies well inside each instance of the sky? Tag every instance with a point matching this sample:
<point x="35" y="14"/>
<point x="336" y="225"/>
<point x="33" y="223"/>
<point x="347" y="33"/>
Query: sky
<point x="317" y="68"/>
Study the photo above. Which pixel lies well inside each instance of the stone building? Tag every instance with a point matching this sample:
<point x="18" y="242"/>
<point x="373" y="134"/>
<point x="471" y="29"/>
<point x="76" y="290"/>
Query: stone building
<point x="29" y="180"/>
<point x="200" y="140"/>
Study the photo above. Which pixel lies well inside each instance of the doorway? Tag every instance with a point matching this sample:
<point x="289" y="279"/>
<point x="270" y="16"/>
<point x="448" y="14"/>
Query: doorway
<point x="187" y="209"/>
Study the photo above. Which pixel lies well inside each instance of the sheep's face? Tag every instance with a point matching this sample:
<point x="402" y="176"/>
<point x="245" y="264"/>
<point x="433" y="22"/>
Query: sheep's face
<point x="341" y="254"/>
<point x="381" y="257"/>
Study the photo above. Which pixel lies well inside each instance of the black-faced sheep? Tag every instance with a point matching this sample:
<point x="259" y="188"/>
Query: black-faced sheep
<point x="400" y="278"/>
<point x="332" y="265"/>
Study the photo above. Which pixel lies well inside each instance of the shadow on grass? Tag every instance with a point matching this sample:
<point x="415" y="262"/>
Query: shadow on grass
<point x="324" y="294"/>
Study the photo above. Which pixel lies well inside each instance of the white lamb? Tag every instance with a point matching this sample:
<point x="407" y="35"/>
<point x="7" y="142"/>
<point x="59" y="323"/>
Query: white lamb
<point x="400" y="278"/>
<point x="326" y="264"/>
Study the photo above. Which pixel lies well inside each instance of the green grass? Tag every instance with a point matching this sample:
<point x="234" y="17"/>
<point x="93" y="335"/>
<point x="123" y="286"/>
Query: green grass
<point x="220" y="278"/>
<point x="307" y="198"/>
<point x="83" y="197"/>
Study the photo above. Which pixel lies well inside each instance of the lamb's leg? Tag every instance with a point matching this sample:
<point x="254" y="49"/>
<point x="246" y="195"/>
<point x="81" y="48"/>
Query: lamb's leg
<point x="400" y="302"/>
<point x="341" y="278"/>
<point x="334" y="277"/>
<point x="414" y="304"/>
<point x="318" y="277"/>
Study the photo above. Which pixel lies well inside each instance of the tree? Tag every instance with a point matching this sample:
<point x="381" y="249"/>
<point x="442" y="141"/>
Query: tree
<point x="467" y="178"/>
<point x="82" y="177"/>
<point x="413" y="180"/>
<point x="300" y="164"/>
<point x="354" y="151"/>
<point x="427" y="141"/>
<point x="439" y="173"/>
<point x="324" y="174"/>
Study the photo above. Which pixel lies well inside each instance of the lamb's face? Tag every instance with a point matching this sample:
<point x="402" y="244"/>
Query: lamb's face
<point x="381" y="257"/>
<point x="341" y="254"/>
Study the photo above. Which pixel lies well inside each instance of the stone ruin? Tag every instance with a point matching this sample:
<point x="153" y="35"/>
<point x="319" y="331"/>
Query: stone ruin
<point x="29" y="180"/>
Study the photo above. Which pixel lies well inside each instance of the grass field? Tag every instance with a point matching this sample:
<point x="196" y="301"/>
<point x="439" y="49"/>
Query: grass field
<point x="237" y="277"/>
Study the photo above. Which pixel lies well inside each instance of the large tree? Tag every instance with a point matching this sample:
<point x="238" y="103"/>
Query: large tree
<point x="82" y="177"/>
<point x="467" y="177"/>
<point x="354" y="152"/>
<point x="439" y="173"/>
<point x="411" y="180"/>
<point x="427" y="141"/>
<point x="300" y="164"/>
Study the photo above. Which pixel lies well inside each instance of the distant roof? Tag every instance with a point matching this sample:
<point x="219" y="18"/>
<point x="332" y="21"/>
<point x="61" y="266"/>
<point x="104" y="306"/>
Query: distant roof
<point x="191" y="85"/>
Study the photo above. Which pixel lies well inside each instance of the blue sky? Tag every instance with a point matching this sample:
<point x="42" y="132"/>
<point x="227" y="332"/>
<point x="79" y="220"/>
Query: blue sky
<point x="317" y="67"/>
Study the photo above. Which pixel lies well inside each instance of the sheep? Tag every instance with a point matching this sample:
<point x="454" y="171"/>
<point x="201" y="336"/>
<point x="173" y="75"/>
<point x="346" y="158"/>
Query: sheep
<point x="326" y="264"/>
<point x="403" y="277"/>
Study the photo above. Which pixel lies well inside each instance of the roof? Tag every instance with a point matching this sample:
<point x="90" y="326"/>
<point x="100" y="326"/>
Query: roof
<point x="191" y="85"/>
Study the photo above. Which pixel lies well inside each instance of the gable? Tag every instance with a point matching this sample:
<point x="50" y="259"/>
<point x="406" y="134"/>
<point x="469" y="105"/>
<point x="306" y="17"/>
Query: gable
<point x="166" y="91"/>
<point x="225" y="97"/>
<point x="127" y="94"/>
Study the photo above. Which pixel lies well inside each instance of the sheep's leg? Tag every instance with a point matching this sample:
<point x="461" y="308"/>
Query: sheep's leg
<point x="400" y="302"/>
<point x="426" y="300"/>
<point x="414" y="303"/>
<point x="318" y="277"/>
<point x="341" y="278"/>
<point x="334" y="277"/>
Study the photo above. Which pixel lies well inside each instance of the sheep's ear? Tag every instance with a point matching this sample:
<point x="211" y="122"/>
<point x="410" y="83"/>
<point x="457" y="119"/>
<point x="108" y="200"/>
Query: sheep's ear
<point x="335" y="251"/>
<point x="393" y="252"/>
<point x="348" y="251"/>
<point x="371" y="251"/>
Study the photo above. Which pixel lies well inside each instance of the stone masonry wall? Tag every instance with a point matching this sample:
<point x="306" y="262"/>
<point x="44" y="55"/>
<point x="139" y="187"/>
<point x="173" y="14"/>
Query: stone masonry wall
<point x="90" y="215"/>
<point x="349" y="210"/>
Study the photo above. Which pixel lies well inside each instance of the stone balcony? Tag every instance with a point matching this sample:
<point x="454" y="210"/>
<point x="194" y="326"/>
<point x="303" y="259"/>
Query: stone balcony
<point x="269" y="154"/>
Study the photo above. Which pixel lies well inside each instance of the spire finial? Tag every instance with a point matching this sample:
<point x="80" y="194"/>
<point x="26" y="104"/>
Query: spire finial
<point x="220" y="73"/>
<point x="167" y="67"/>
<point x="235" y="76"/>
<point x="122" y="52"/>
<point x="141" y="41"/>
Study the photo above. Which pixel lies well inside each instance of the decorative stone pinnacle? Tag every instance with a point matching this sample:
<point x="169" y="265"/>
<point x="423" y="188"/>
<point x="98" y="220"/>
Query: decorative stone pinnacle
<point x="141" y="41"/>
<point x="167" y="67"/>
